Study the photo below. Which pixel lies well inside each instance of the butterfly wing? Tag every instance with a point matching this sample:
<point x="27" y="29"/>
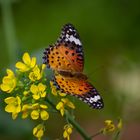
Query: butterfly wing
<point x="66" y="57"/>
<point x="79" y="88"/>
<point x="67" y="53"/>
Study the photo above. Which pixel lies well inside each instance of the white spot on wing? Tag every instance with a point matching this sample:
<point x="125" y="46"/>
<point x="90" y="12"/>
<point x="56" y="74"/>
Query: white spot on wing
<point x="94" y="99"/>
<point x="71" y="38"/>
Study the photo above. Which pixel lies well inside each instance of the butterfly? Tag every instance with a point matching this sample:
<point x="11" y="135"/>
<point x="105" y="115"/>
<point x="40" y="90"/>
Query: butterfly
<point x="66" y="59"/>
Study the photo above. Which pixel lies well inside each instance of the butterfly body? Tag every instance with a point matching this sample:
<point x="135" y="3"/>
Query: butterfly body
<point x="70" y="74"/>
<point x="66" y="59"/>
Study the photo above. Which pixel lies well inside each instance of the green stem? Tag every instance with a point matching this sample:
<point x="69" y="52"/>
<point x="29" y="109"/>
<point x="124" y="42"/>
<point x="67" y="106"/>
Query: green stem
<point x="116" y="136"/>
<point x="73" y="122"/>
<point x="77" y="126"/>
<point x="8" y="23"/>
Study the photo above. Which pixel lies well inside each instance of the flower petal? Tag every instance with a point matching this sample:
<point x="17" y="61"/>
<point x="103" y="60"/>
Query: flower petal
<point x="14" y="115"/>
<point x="33" y="62"/>
<point x="44" y="115"/>
<point x="10" y="73"/>
<point x="35" y="106"/>
<point x="18" y="109"/>
<point x="62" y="111"/>
<point x="25" y="114"/>
<point x="41" y="87"/>
<point x="18" y="100"/>
<point x="43" y="94"/>
<point x="71" y="105"/>
<point x="36" y="96"/>
<point x="10" y="108"/>
<point x="62" y="94"/>
<point x="43" y="106"/>
<point x="26" y="58"/>
<point x="43" y="66"/>
<point x="22" y="67"/>
<point x="40" y="133"/>
<point x="53" y="89"/>
<point x="34" y="114"/>
<point x="34" y="89"/>
<point x="10" y="100"/>
<point x="59" y="106"/>
<point x="65" y="134"/>
<point x="5" y="87"/>
<point x="69" y="130"/>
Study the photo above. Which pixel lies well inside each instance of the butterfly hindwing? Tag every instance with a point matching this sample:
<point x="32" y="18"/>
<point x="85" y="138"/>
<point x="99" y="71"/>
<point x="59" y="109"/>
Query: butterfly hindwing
<point x="80" y="88"/>
<point x="67" y="53"/>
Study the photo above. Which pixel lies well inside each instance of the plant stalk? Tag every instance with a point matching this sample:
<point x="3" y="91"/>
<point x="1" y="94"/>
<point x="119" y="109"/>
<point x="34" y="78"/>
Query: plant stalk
<point x="10" y="35"/>
<point x="73" y="122"/>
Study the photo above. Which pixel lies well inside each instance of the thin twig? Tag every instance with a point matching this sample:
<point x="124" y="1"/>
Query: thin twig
<point x="96" y="134"/>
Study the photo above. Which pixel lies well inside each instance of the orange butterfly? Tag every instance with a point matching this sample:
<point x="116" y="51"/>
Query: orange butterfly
<point x="66" y="58"/>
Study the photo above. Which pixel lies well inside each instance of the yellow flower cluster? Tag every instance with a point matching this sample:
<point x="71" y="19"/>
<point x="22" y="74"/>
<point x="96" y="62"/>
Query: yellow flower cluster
<point x="67" y="131"/>
<point x="38" y="131"/>
<point x="27" y="88"/>
<point x="28" y="94"/>
<point x="111" y="127"/>
<point x="38" y="91"/>
<point x="63" y="103"/>
<point x="35" y="111"/>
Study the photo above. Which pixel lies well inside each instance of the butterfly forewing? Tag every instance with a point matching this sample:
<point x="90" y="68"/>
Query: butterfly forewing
<point x="70" y="35"/>
<point x="67" y="53"/>
<point x="63" y="58"/>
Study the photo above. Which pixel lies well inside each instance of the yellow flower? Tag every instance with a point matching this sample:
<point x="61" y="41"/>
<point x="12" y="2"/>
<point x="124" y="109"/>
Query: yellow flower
<point x="43" y="113"/>
<point x="109" y="127"/>
<point x="39" y="111"/>
<point x="26" y="93"/>
<point x="13" y="106"/>
<point x="38" y="131"/>
<point x="8" y="82"/>
<point x="62" y="94"/>
<point x="55" y="92"/>
<point x="60" y="107"/>
<point x="67" y="102"/>
<point x="53" y="88"/>
<point x="67" y="131"/>
<point x="36" y="73"/>
<point x="25" y="110"/>
<point x="64" y="102"/>
<point x="35" y="114"/>
<point x="38" y="91"/>
<point x="27" y="64"/>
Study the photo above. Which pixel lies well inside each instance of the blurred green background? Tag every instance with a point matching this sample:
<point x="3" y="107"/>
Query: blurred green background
<point x="110" y="33"/>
